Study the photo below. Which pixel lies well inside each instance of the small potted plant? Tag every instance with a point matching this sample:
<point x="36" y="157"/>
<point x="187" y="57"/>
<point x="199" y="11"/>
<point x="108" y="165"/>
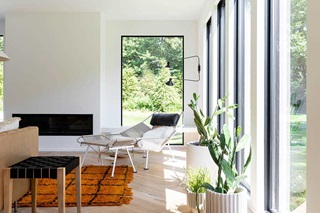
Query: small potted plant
<point x="193" y="182"/>
<point x="226" y="195"/>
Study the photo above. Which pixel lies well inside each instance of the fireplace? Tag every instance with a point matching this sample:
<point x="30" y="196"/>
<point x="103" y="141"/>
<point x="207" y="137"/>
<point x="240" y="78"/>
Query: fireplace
<point x="58" y="124"/>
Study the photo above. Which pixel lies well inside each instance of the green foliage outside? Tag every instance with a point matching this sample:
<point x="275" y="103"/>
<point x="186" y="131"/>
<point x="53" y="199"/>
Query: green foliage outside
<point x="297" y="160"/>
<point x="298" y="45"/>
<point x="144" y="75"/>
<point x="298" y="54"/>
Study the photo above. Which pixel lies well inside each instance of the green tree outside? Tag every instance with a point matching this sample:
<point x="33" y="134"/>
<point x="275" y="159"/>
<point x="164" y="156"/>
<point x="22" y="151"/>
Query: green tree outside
<point x="298" y="54"/>
<point x="144" y="75"/>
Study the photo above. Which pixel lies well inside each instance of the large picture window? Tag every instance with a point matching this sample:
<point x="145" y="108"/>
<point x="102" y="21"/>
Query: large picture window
<point x="144" y="77"/>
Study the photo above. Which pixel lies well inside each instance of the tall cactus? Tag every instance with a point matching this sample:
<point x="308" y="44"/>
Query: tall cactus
<point x="223" y="151"/>
<point x="206" y="125"/>
<point x="223" y="147"/>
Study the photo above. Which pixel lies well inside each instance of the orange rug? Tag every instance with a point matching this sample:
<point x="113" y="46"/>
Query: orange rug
<point x="97" y="187"/>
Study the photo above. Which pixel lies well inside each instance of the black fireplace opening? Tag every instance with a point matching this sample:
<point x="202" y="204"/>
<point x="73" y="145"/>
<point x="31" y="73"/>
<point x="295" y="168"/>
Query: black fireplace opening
<point x="58" y="124"/>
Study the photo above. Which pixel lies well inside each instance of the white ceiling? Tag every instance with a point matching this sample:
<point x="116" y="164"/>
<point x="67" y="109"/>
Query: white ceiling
<point x="114" y="9"/>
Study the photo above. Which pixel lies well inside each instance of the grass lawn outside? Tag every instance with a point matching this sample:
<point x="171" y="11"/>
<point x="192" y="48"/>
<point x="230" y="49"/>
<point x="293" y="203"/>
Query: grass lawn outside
<point x="131" y="118"/>
<point x="297" y="160"/>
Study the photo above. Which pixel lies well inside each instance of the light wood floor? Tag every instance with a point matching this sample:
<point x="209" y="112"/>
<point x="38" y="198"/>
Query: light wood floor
<point x="154" y="190"/>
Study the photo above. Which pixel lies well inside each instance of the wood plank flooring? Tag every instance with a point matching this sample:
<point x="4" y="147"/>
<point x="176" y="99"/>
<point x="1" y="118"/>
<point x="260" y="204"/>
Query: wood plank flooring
<point x="154" y="190"/>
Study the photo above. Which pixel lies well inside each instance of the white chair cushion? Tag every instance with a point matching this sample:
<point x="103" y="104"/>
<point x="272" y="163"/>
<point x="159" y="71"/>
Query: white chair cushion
<point x="153" y="140"/>
<point x="159" y="132"/>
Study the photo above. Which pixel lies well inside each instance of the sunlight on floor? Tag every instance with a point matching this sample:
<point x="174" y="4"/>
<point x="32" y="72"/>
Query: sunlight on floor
<point x="177" y="163"/>
<point x="175" y="195"/>
<point x="169" y="175"/>
<point x="174" y="199"/>
<point x="180" y="159"/>
<point x="176" y="153"/>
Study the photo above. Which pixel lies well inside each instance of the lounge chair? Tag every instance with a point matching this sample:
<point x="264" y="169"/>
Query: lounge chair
<point x="152" y="137"/>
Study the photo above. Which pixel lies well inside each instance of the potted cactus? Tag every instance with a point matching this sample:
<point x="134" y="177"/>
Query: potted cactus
<point x="197" y="151"/>
<point x="226" y="196"/>
<point x="222" y="149"/>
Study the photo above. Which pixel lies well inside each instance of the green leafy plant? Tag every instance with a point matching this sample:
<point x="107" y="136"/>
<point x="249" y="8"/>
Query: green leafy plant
<point x="206" y="125"/>
<point x="223" y="147"/>
<point x="223" y="150"/>
<point x="194" y="180"/>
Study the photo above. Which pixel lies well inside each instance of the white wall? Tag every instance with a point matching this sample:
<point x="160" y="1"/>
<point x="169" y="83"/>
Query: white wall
<point x="2" y="27"/>
<point x="313" y="106"/>
<point x="116" y="29"/>
<point x="71" y="63"/>
<point x="208" y="11"/>
<point x="54" y="67"/>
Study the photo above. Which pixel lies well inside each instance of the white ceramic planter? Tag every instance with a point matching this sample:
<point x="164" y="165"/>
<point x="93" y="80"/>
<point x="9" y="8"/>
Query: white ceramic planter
<point x="191" y="200"/>
<point x="227" y="203"/>
<point x="199" y="156"/>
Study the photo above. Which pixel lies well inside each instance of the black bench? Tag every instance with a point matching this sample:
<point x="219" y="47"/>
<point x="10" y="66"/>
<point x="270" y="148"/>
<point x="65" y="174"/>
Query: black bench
<point x="56" y="167"/>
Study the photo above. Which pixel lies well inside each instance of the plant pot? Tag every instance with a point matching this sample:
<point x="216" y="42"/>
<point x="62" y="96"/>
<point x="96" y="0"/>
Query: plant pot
<point x="227" y="203"/>
<point x="191" y="200"/>
<point x="199" y="156"/>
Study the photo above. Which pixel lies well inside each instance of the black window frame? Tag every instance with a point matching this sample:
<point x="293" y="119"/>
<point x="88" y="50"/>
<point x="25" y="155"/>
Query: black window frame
<point x="209" y="65"/>
<point x="271" y="75"/>
<point x="239" y="81"/>
<point x="221" y="17"/>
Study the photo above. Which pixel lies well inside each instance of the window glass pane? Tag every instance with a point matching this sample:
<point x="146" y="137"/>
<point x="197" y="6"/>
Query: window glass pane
<point x="292" y="140"/>
<point x="243" y="79"/>
<point x="297" y="94"/>
<point x="144" y="77"/>
<point x="210" y="77"/>
<point x="247" y="77"/>
<point x="221" y="57"/>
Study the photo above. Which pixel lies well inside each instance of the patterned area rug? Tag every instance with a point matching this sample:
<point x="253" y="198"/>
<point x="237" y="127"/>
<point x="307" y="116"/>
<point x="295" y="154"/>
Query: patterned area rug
<point x="98" y="188"/>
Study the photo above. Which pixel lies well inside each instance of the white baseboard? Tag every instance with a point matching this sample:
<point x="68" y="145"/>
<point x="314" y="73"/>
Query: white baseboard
<point x="80" y="149"/>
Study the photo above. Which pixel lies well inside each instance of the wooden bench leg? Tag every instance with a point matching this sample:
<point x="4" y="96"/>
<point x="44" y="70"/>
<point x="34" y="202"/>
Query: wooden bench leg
<point x="8" y="183"/>
<point x="61" y="179"/>
<point x="34" y="184"/>
<point x="78" y="186"/>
